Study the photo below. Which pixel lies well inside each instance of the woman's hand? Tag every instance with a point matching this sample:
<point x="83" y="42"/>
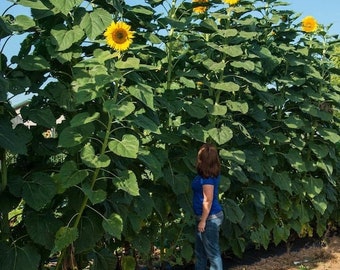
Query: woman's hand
<point x="201" y="226"/>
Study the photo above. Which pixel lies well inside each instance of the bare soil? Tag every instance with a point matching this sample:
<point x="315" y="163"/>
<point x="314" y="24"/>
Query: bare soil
<point x="309" y="255"/>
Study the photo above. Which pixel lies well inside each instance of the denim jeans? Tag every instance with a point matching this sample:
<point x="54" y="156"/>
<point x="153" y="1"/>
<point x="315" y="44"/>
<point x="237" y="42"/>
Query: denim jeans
<point x="207" y="245"/>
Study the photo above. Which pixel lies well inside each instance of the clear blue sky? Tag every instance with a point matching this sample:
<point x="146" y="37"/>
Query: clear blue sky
<point x="326" y="12"/>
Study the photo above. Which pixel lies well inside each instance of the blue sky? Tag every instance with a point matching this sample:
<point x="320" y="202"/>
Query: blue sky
<point x="326" y="12"/>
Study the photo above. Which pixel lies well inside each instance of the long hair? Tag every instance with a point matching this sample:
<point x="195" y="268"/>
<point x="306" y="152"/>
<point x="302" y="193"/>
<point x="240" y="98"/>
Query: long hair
<point x="208" y="163"/>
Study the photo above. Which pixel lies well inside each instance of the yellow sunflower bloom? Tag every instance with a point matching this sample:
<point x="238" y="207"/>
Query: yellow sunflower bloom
<point x="231" y="2"/>
<point x="200" y="9"/>
<point x="309" y="24"/>
<point x="119" y="36"/>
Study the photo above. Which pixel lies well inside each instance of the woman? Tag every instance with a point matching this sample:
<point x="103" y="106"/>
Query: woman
<point x="207" y="208"/>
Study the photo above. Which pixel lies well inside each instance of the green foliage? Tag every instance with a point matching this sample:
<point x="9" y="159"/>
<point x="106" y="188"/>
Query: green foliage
<point x="114" y="179"/>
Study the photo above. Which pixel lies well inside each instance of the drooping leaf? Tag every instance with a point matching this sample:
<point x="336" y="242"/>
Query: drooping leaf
<point x="83" y="118"/>
<point x="113" y="225"/>
<point x="127" y="147"/>
<point x="38" y="190"/>
<point x="95" y="196"/>
<point x="320" y="203"/>
<point x="226" y="86"/>
<point x="261" y="236"/>
<point x="127" y="181"/>
<point x="143" y="93"/>
<point x="235" y="155"/>
<point x="221" y="135"/>
<point x="312" y="186"/>
<point x="120" y="111"/>
<point x="90" y="159"/>
<point x="233" y="211"/>
<point x="64" y="237"/>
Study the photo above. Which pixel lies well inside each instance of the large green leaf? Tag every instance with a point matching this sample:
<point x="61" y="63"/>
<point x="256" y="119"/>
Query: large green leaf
<point x="233" y="211"/>
<point x="295" y="159"/>
<point x="42" y="227"/>
<point x="10" y="140"/>
<point x="38" y="190"/>
<point x="280" y="233"/>
<point x="247" y="65"/>
<point x="234" y="155"/>
<point x="83" y="118"/>
<point x="236" y="106"/>
<point x="119" y="111"/>
<point x="95" y="196"/>
<point x="19" y="258"/>
<point x="33" y="4"/>
<point x="64" y="38"/>
<point x="34" y="63"/>
<point x="22" y="23"/>
<point x="283" y="181"/>
<point x="329" y="134"/>
<point x="221" y="135"/>
<point x="43" y="117"/>
<point x="127" y="181"/>
<point x="104" y="260"/>
<point x="147" y="123"/>
<point x="69" y="175"/>
<point x="128" y="262"/>
<point x="226" y="86"/>
<point x="72" y="136"/>
<point x="131" y="62"/>
<point x="90" y="159"/>
<point x="261" y="236"/>
<point x="214" y="66"/>
<point x="65" y="6"/>
<point x="142" y="243"/>
<point x="312" y="186"/>
<point x="64" y="237"/>
<point x="90" y="232"/>
<point x="196" y="108"/>
<point x="113" y="225"/>
<point x="320" y="203"/>
<point x="143" y="93"/>
<point x="127" y="147"/>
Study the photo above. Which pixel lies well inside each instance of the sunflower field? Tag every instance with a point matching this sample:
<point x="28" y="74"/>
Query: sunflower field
<point x="122" y="94"/>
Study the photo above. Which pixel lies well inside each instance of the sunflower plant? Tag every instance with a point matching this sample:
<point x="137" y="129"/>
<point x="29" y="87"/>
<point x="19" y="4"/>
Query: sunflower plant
<point x="123" y="94"/>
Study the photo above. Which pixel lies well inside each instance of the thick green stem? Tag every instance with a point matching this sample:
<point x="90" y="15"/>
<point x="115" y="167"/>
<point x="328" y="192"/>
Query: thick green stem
<point x="93" y="181"/>
<point x="170" y="58"/>
<point x="170" y="48"/>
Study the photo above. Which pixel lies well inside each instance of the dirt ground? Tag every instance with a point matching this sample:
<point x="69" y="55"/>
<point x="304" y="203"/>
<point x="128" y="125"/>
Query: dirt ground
<point x="322" y="255"/>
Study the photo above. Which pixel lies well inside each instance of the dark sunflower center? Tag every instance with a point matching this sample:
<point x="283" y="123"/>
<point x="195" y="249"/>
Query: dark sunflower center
<point x="120" y="36"/>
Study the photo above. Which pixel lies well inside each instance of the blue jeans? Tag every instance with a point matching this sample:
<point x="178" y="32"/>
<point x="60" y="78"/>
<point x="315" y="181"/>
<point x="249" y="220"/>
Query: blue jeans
<point x="207" y="245"/>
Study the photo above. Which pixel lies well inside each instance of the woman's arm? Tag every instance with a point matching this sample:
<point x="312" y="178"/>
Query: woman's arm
<point x="208" y="195"/>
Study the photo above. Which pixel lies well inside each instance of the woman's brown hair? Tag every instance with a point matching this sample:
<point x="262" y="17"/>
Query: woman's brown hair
<point x="208" y="163"/>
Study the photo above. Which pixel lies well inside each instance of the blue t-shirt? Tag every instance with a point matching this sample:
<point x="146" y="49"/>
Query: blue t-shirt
<point x="197" y="188"/>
